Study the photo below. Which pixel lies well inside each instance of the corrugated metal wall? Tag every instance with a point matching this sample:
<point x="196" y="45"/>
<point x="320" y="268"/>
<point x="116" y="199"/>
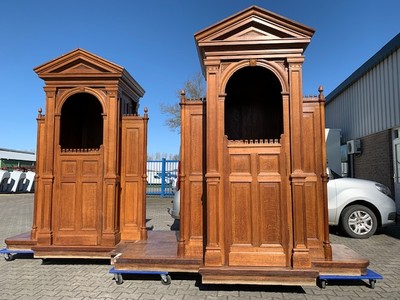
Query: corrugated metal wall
<point x="369" y="105"/>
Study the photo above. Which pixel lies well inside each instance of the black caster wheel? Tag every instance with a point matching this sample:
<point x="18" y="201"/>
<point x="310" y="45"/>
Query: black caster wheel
<point x="118" y="279"/>
<point x="372" y="283"/>
<point x="9" y="257"/>
<point x="165" y="279"/>
<point x="323" y="284"/>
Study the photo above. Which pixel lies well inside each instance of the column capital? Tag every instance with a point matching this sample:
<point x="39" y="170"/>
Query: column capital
<point x="212" y="65"/>
<point x="295" y="60"/>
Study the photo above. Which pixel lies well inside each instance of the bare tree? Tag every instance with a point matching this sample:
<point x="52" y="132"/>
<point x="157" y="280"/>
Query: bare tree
<point x="194" y="89"/>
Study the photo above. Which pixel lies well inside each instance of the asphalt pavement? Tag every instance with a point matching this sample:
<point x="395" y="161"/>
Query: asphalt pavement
<point x="28" y="278"/>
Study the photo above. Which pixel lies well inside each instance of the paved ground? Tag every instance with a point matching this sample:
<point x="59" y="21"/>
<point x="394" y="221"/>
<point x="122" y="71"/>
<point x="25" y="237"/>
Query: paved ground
<point x="26" y="278"/>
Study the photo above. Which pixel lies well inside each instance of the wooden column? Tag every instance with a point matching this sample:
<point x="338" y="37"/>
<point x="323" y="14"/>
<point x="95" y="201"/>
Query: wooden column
<point x="45" y="198"/>
<point x="192" y="177"/>
<point x="40" y="150"/>
<point x="301" y="256"/>
<point x="214" y="133"/>
<point x="111" y="178"/>
<point x="326" y="243"/>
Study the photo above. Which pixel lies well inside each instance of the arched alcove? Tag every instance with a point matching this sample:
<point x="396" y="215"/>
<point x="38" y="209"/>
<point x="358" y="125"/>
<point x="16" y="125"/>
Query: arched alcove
<point x="81" y="125"/>
<point x="253" y="105"/>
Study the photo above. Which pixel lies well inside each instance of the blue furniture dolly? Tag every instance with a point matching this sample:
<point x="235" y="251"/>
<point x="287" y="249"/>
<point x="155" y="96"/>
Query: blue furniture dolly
<point x="165" y="278"/>
<point x="371" y="276"/>
<point x="9" y="255"/>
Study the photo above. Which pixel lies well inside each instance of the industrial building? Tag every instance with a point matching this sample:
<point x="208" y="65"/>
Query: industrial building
<point x="12" y="159"/>
<point x="366" y="107"/>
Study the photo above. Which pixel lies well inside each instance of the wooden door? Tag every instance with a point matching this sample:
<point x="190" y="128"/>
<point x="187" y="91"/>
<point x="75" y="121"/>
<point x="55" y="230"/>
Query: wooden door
<point x="77" y="199"/>
<point x="257" y="204"/>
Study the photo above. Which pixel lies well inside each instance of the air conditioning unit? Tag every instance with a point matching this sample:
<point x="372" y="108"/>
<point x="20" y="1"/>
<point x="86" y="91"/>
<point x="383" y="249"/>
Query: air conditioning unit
<point x="353" y="147"/>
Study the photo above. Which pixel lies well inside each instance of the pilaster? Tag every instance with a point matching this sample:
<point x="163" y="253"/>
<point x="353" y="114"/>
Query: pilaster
<point x="111" y="178"/>
<point x="213" y="253"/>
<point x="301" y="254"/>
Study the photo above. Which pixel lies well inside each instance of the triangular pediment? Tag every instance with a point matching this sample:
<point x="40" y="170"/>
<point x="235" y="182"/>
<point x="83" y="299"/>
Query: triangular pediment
<point x="76" y="63"/>
<point x="254" y="25"/>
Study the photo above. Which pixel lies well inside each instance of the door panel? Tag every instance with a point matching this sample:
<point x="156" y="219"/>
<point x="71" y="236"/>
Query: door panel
<point x="257" y="227"/>
<point x="77" y="199"/>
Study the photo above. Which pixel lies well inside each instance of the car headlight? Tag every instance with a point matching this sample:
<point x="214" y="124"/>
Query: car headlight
<point x="383" y="189"/>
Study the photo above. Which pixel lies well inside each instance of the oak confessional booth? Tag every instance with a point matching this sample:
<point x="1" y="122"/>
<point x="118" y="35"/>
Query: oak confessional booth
<point x="253" y="205"/>
<point x="91" y="160"/>
<point x="253" y="159"/>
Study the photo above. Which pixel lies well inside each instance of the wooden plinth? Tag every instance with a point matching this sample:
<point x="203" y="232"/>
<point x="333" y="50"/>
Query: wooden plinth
<point x="21" y="241"/>
<point x="158" y="252"/>
<point x="345" y="261"/>
<point x="72" y="252"/>
<point x="257" y="275"/>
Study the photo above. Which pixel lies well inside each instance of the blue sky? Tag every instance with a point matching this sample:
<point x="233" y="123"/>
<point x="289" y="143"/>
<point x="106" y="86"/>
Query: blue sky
<point x="154" y="41"/>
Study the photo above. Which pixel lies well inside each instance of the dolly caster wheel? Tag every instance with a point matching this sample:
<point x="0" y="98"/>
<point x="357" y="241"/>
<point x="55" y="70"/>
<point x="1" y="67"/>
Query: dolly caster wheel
<point x="9" y="257"/>
<point x="118" y="279"/>
<point x="372" y="283"/>
<point x="323" y="284"/>
<point x="165" y="279"/>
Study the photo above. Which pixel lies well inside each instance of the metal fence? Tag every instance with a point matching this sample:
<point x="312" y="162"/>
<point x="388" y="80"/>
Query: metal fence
<point x="161" y="177"/>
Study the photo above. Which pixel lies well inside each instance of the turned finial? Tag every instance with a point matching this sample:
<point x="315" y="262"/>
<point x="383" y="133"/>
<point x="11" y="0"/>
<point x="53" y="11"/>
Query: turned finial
<point x="321" y="95"/>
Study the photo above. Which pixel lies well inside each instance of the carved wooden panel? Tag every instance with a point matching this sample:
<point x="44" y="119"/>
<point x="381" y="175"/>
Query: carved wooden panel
<point x="133" y="178"/>
<point x="192" y="177"/>
<point x="256" y="205"/>
<point x="313" y="167"/>
<point x="77" y="198"/>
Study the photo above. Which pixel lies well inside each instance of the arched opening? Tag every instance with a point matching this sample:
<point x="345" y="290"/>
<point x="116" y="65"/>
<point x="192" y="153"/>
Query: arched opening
<point x="81" y="125"/>
<point x="253" y="105"/>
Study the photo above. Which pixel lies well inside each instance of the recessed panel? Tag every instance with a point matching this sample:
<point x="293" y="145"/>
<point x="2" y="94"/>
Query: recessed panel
<point x="132" y="151"/>
<point x="268" y="163"/>
<point x="240" y="163"/>
<point x="67" y="206"/>
<point x="68" y="168"/>
<point x="89" y="168"/>
<point x="130" y="213"/>
<point x="312" y="206"/>
<point x="196" y="213"/>
<point x="271" y="224"/>
<point x="196" y="140"/>
<point x="89" y="206"/>
<point x="241" y="213"/>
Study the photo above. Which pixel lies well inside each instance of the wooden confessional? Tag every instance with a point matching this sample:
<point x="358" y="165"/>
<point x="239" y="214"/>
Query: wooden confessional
<point x="91" y="160"/>
<point x="253" y="158"/>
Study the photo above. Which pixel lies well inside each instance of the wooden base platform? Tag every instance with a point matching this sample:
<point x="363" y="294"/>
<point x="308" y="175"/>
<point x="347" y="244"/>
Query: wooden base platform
<point x="24" y="242"/>
<point x="159" y="252"/>
<point x="21" y="241"/>
<point x="258" y="275"/>
<point x="85" y="252"/>
<point x="345" y="261"/>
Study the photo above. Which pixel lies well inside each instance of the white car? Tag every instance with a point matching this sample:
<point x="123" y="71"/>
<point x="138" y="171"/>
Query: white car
<point x="358" y="206"/>
<point x="176" y="203"/>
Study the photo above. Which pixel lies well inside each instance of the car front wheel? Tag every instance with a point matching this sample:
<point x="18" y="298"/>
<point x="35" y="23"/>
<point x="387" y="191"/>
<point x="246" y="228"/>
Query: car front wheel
<point x="358" y="221"/>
